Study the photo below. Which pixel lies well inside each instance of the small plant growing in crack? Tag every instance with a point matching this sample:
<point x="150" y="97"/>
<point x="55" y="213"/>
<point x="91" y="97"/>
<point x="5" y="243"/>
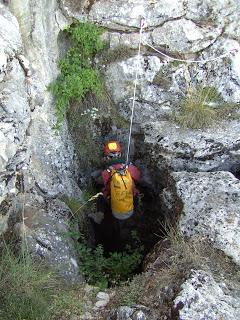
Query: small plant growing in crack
<point x="203" y="106"/>
<point x="196" y="110"/>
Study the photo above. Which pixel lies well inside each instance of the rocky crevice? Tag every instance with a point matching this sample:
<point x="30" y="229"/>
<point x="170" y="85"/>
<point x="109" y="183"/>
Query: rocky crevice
<point x="184" y="166"/>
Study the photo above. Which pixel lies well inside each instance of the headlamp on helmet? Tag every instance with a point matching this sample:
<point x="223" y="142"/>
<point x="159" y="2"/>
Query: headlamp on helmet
<point x="112" y="148"/>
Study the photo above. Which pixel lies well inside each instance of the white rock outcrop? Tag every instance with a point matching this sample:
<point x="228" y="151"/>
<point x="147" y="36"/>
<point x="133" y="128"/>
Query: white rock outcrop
<point x="210" y="208"/>
<point x="202" y="297"/>
<point x="215" y="148"/>
<point x="39" y="166"/>
<point x="121" y="15"/>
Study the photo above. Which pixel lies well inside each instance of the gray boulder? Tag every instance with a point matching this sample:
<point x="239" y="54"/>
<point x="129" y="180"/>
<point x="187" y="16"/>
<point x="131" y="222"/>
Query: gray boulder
<point x="43" y="228"/>
<point x="137" y="312"/>
<point x="194" y="150"/>
<point x="203" y="297"/>
<point x="208" y="205"/>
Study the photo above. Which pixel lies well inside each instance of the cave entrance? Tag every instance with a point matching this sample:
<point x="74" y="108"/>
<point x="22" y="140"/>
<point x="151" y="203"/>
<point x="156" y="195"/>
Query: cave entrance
<point x="143" y="230"/>
<point x="120" y="246"/>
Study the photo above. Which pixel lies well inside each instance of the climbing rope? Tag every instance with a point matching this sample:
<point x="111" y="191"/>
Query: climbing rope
<point x="142" y="25"/>
<point x="232" y="51"/>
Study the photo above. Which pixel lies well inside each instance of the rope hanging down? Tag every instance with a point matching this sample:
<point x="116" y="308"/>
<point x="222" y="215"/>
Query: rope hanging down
<point x="142" y="25"/>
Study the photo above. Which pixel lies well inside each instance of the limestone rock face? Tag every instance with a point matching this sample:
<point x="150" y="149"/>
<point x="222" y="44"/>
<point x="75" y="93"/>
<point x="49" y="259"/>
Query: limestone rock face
<point x="194" y="150"/>
<point x="46" y="231"/>
<point x="121" y="15"/>
<point x="207" y="202"/>
<point x="27" y="109"/>
<point x="204" y="297"/>
<point x="126" y="74"/>
<point x="37" y="166"/>
<point x="34" y="161"/>
<point x="194" y="30"/>
<point x="184" y="36"/>
<point x="10" y="36"/>
<point x="210" y="208"/>
<point x="13" y="98"/>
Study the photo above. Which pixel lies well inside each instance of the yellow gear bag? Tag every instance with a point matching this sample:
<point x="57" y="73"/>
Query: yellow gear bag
<point x="121" y="187"/>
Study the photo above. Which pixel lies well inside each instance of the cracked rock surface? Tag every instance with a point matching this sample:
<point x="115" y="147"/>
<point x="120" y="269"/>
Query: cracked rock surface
<point x="45" y="229"/>
<point x="202" y="297"/>
<point x="210" y="208"/>
<point x="194" y="150"/>
<point x="196" y="31"/>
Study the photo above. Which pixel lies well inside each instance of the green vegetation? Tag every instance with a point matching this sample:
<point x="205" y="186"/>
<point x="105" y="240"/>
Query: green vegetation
<point x="196" y="112"/>
<point x="102" y="270"/>
<point x="91" y="113"/>
<point x="229" y="111"/>
<point x="168" y="266"/>
<point x="71" y="302"/>
<point x="74" y="204"/>
<point x="203" y="107"/>
<point x="97" y="114"/>
<point x="163" y="78"/>
<point x="78" y="225"/>
<point x="130" y="292"/>
<point x="77" y="76"/>
<point x="32" y="292"/>
<point x="176" y="63"/>
<point x="21" y="288"/>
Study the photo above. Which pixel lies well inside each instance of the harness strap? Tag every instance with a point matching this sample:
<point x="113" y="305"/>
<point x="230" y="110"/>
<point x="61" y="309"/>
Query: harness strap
<point x="123" y="167"/>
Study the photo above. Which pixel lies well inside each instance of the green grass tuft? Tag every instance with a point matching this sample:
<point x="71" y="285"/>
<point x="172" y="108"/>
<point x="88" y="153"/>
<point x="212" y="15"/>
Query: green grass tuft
<point x="30" y="291"/>
<point x="22" y="287"/>
<point x="196" y="111"/>
<point x="203" y="107"/>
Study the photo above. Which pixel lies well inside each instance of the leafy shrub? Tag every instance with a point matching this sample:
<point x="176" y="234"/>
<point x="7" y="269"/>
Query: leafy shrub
<point x="77" y="76"/>
<point x="103" y="270"/>
<point x="196" y="112"/>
